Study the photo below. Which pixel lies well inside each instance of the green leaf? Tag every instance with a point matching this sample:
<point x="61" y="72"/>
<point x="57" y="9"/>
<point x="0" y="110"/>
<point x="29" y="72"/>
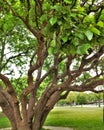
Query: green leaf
<point x="57" y="7"/>
<point x="100" y="24"/>
<point x="89" y="35"/>
<point x="52" y="50"/>
<point x="95" y="30"/>
<point x="46" y="6"/>
<point x="80" y="35"/>
<point x="81" y="9"/>
<point x="53" y="43"/>
<point x="67" y="1"/>
<point x="53" y="20"/>
<point x="69" y="49"/>
<point x="72" y="50"/>
<point x="73" y="15"/>
<point x="43" y="18"/>
<point x="75" y="41"/>
<point x="59" y="22"/>
<point x="65" y="38"/>
<point x="83" y="49"/>
<point x="89" y="19"/>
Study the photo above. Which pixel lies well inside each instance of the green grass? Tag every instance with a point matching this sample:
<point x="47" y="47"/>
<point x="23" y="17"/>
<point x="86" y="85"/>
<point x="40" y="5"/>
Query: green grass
<point x="79" y="118"/>
<point x="4" y="122"/>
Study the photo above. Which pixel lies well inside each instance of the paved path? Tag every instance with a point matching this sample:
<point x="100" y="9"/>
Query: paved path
<point x="48" y="128"/>
<point x="57" y="128"/>
<point x="5" y="129"/>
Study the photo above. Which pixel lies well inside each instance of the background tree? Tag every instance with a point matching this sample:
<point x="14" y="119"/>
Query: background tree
<point x="70" y="100"/>
<point x="96" y="98"/>
<point x="57" y="43"/>
<point x="81" y="99"/>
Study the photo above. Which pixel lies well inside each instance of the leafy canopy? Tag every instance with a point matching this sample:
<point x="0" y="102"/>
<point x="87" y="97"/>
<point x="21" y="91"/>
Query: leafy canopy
<point x="69" y="28"/>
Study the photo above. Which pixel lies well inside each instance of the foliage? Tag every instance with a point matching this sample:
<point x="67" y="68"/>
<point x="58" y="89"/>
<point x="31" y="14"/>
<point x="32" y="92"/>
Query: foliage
<point x="79" y="98"/>
<point x="19" y="84"/>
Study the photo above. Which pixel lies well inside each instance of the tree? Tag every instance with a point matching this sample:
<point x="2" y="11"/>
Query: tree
<point x="56" y="44"/>
<point x="81" y="99"/>
<point x="70" y="100"/>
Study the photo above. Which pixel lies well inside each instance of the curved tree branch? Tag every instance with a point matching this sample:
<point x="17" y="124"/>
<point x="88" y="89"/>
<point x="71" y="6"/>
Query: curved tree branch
<point x="87" y="87"/>
<point x="7" y="83"/>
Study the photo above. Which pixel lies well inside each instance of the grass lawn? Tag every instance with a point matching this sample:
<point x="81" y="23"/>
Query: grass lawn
<point x="4" y="122"/>
<point x="79" y="118"/>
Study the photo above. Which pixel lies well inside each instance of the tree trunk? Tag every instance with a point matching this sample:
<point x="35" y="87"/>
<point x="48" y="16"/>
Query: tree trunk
<point x="23" y="126"/>
<point x="99" y="104"/>
<point x="40" y="122"/>
<point x="37" y="125"/>
<point x="42" y="112"/>
<point x="44" y="106"/>
<point x="13" y="124"/>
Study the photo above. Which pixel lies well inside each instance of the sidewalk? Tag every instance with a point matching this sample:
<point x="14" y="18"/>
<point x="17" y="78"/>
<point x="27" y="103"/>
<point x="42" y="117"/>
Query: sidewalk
<point x="57" y="128"/>
<point x="48" y="128"/>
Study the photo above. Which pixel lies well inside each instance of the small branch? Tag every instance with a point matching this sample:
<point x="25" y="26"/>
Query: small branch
<point x="68" y="63"/>
<point x="28" y="5"/>
<point x="32" y="58"/>
<point x="36" y="17"/>
<point x="79" y="71"/>
<point x="93" y="64"/>
<point x="2" y="52"/>
<point x="45" y="75"/>
<point x="94" y="59"/>
<point x="62" y="76"/>
<point x="39" y="4"/>
<point x="38" y="76"/>
<point x="92" y="79"/>
<point x="73" y="3"/>
<point x="96" y="55"/>
<point x="55" y="74"/>
<point x="12" y="57"/>
<point x="28" y="8"/>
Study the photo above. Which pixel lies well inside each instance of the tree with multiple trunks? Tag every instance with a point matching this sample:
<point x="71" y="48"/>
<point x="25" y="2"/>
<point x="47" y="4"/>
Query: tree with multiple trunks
<point x="58" y="44"/>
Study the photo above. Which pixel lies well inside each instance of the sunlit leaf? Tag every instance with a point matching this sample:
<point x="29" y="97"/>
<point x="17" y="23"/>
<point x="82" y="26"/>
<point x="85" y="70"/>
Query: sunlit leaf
<point x="95" y="30"/>
<point x="100" y="24"/>
<point x="53" y="20"/>
<point x="83" y="49"/>
<point x="68" y="1"/>
<point x="89" y="35"/>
